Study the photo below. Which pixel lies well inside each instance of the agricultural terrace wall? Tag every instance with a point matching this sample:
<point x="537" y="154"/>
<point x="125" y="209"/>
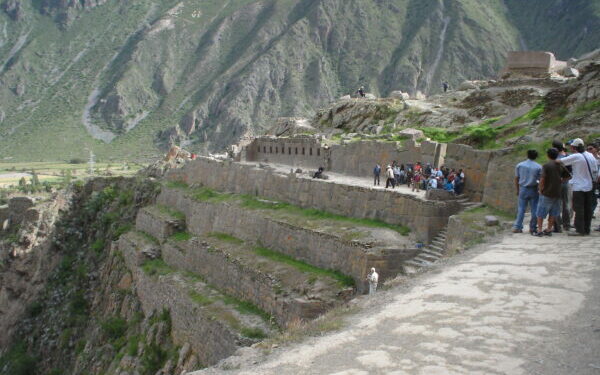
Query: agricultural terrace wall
<point x="303" y="151"/>
<point x="425" y="218"/>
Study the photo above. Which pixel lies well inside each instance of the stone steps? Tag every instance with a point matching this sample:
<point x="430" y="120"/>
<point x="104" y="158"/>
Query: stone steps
<point x="240" y="269"/>
<point x="295" y="236"/>
<point x="215" y="325"/>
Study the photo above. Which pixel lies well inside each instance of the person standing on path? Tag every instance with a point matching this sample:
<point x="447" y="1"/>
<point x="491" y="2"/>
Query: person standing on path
<point x="553" y="175"/>
<point x="373" y="279"/>
<point x="564" y="219"/>
<point x="376" y="174"/>
<point x="389" y="174"/>
<point x="584" y="174"/>
<point x="445" y="86"/>
<point x="527" y="175"/>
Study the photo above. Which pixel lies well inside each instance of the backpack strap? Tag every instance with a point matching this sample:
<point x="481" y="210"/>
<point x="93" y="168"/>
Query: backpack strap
<point x="589" y="168"/>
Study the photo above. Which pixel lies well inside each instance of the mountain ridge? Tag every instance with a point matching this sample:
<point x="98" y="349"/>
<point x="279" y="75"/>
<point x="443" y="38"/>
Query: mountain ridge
<point x="146" y="75"/>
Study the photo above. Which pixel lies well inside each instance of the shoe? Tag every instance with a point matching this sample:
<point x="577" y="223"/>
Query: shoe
<point x="515" y="230"/>
<point x="546" y="233"/>
<point x="557" y="230"/>
<point x="575" y="234"/>
<point x="537" y="234"/>
<point x="597" y="229"/>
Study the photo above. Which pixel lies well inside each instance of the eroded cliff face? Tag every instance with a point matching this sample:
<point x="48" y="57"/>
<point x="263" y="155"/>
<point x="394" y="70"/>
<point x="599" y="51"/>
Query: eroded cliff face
<point x="140" y="76"/>
<point x="67" y="301"/>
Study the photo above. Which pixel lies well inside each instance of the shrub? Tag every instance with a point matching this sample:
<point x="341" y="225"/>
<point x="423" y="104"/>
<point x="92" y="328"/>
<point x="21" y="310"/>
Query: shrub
<point x="114" y="328"/>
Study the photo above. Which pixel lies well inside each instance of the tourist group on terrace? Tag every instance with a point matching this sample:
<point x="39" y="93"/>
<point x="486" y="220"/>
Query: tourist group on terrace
<point x="564" y="189"/>
<point x="419" y="177"/>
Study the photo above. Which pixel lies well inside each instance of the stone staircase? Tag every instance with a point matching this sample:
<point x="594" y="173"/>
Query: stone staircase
<point x="436" y="249"/>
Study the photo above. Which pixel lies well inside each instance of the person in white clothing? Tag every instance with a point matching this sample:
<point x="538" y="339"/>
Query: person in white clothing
<point x="584" y="174"/>
<point x="373" y="279"/>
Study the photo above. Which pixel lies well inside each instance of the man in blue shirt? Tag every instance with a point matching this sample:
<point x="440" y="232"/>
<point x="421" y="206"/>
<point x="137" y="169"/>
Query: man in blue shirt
<point x="376" y="174"/>
<point x="527" y="177"/>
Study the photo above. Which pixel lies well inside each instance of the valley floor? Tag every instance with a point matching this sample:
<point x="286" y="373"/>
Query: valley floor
<point x="520" y="305"/>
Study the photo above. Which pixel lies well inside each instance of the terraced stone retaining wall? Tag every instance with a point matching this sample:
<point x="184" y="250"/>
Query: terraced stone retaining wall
<point x="209" y="339"/>
<point x="425" y="218"/>
<point x="319" y="249"/>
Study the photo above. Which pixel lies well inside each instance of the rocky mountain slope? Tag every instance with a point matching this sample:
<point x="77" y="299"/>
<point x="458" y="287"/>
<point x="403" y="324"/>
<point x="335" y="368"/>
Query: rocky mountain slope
<point x="128" y="78"/>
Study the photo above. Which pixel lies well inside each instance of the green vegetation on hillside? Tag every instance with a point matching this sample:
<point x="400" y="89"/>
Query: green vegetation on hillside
<point x="139" y="68"/>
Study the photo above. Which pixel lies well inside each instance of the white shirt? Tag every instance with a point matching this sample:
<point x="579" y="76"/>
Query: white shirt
<point x="433" y="183"/>
<point x="581" y="181"/>
<point x="373" y="278"/>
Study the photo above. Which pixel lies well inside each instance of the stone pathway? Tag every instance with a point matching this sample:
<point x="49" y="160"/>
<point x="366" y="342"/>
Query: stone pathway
<point x="521" y="305"/>
<point x="366" y="182"/>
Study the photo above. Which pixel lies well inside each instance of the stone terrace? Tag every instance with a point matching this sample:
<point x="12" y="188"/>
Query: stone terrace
<point x="425" y="218"/>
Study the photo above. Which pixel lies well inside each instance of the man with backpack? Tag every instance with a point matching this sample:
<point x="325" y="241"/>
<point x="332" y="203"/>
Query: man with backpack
<point x="585" y="174"/>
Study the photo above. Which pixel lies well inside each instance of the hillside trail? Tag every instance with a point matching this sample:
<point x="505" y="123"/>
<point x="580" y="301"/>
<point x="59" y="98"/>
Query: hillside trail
<point x="517" y="305"/>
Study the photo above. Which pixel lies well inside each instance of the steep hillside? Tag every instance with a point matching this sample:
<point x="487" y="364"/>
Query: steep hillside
<point x="126" y="78"/>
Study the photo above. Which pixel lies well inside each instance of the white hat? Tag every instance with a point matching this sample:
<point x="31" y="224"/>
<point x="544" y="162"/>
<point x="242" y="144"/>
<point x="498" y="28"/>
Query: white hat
<point x="373" y="269"/>
<point x="577" y="142"/>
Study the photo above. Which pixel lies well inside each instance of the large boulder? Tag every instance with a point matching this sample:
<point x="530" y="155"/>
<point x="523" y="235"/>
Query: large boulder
<point x="570" y="72"/>
<point x="399" y="95"/>
<point x="370" y="96"/>
<point x="467" y="85"/>
<point x="413" y="134"/>
<point x="346" y="97"/>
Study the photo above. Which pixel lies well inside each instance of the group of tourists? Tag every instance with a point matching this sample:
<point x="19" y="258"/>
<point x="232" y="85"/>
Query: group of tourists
<point x="419" y="177"/>
<point x="567" y="183"/>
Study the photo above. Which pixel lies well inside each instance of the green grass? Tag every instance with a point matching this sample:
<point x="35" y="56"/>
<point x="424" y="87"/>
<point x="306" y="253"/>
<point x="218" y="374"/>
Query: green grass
<point x="181" y="236"/>
<point x="439" y="134"/>
<point x="250" y="202"/>
<point x="253" y="333"/>
<point x="343" y="280"/>
<point x="226" y="238"/>
<point x="156" y="267"/>
<point x="314" y="214"/>
<point x="200" y="299"/>
<point x="148" y="237"/>
<point x="589" y="106"/>
<point x="247" y="308"/>
<point x="208" y="195"/>
<point x="171" y="212"/>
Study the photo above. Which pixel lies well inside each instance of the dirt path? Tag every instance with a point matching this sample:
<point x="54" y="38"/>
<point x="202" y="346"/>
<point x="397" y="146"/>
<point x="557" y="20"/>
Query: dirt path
<point x="521" y="305"/>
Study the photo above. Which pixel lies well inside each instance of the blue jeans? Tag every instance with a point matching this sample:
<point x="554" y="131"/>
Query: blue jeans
<point x="527" y="195"/>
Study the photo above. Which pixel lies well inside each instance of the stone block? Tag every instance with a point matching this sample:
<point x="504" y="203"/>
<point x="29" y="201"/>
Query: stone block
<point x="491" y="221"/>
<point x="439" y="195"/>
<point x="159" y="225"/>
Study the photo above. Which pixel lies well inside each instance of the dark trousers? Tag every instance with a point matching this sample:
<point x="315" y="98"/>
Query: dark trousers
<point x="565" y="217"/>
<point x="583" y="202"/>
<point x="390" y="181"/>
<point x="376" y="182"/>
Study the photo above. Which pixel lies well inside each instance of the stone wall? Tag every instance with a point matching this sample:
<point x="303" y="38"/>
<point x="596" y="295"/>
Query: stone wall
<point x="359" y="158"/>
<point x="499" y="189"/>
<point x="209" y="339"/>
<point x="233" y="278"/>
<point x="300" y="151"/>
<point x="425" y="218"/>
<point x="475" y="164"/>
<point x="535" y="63"/>
<point x="319" y="249"/>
